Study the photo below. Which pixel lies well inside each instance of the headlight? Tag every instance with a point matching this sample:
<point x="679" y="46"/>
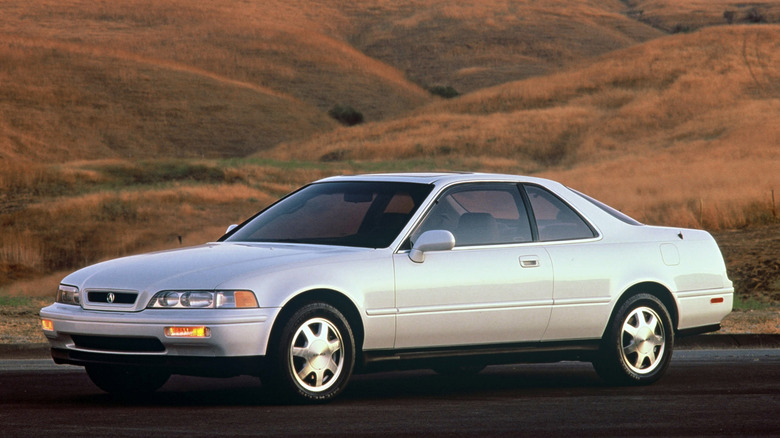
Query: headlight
<point x="68" y="295"/>
<point x="198" y="299"/>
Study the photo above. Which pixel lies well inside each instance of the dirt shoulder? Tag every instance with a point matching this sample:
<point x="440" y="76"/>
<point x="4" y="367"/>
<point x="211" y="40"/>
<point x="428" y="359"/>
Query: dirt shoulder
<point x="752" y="258"/>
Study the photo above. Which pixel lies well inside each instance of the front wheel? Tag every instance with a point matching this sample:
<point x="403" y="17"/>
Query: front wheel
<point x="638" y="344"/>
<point x="315" y="355"/>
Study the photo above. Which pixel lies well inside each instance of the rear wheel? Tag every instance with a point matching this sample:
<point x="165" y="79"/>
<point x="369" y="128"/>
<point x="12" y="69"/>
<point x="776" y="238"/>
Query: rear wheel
<point x="127" y="380"/>
<point x="315" y="355"/>
<point x="637" y="347"/>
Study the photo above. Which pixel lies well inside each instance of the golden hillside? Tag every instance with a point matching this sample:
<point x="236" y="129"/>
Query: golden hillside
<point x="62" y="101"/>
<point x="191" y="78"/>
<point x="476" y="44"/>
<point x="143" y="78"/>
<point x="689" y="15"/>
<point x="704" y="104"/>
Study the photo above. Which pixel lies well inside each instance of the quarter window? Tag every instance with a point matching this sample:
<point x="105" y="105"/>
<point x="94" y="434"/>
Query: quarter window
<point x="555" y="220"/>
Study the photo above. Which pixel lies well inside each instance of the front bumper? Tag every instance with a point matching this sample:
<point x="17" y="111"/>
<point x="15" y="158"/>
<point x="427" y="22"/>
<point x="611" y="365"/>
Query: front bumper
<point x="81" y="337"/>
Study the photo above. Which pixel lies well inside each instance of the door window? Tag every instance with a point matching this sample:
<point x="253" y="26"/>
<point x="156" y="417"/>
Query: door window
<point x="480" y="214"/>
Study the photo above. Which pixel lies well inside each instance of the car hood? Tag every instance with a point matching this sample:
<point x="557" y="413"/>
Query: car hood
<point x="203" y="267"/>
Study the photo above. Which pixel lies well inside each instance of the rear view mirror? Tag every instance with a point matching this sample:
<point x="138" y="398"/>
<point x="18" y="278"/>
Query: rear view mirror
<point x="433" y="240"/>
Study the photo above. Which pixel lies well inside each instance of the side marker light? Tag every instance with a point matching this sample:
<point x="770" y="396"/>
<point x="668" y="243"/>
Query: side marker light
<point x="47" y="325"/>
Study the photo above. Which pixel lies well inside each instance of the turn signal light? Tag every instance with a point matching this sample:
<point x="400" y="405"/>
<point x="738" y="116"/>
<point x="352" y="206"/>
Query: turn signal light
<point x="244" y="299"/>
<point x="187" y="332"/>
<point x="47" y="325"/>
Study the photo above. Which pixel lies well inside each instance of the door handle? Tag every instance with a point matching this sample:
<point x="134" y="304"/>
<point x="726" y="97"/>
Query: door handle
<point x="530" y="261"/>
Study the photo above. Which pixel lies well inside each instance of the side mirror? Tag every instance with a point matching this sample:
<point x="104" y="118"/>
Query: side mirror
<point x="433" y="240"/>
<point x="231" y="228"/>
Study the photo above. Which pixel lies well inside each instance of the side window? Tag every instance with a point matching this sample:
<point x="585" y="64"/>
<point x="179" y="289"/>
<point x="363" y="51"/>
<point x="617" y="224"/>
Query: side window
<point x="555" y="220"/>
<point x="480" y="214"/>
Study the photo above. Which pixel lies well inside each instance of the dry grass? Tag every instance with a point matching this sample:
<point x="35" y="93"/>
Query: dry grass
<point x="681" y="130"/>
<point x="472" y="45"/>
<point x="688" y="15"/>
<point x="60" y="102"/>
<point x="145" y="78"/>
<point x="99" y="220"/>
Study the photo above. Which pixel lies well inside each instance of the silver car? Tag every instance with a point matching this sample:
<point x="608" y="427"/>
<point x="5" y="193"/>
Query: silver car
<point x="450" y="271"/>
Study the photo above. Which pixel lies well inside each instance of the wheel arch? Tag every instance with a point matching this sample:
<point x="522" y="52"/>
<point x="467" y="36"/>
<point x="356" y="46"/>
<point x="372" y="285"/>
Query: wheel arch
<point x="334" y="298"/>
<point x="649" y="287"/>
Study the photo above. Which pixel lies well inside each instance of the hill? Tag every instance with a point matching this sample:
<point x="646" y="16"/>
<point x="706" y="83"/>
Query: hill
<point x="644" y="119"/>
<point x="473" y="45"/>
<point x="64" y="101"/>
<point x="689" y="15"/>
<point x="143" y="78"/>
<point x="189" y="78"/>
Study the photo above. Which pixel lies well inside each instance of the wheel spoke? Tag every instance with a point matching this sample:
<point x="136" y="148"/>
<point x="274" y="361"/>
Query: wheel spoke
<point x="305" y="371"/>
<point x="334" y="346"/>
<point x="630" y="348"/>
<point x="300" y="352"/>
<point x="630" y="329"/>
<point x="319" y="378"/>
<point x="652" y="323"/>
<point x="309" y="334"/>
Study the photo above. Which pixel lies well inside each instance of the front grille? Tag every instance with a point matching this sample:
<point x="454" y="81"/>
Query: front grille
<point x="112" y="297"/>
<point x="110" y="343"/>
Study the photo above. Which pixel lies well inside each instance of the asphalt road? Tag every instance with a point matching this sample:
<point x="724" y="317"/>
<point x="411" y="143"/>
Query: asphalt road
<point x="705" y="393"/>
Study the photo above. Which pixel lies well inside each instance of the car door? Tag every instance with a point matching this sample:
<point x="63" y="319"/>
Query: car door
<point x="494" y="287"/>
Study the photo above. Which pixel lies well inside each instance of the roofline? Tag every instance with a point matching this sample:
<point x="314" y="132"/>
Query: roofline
<point x="437" y="178"/>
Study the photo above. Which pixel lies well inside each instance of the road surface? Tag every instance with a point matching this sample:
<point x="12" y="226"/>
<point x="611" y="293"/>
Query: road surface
<point x="710" y="392"/>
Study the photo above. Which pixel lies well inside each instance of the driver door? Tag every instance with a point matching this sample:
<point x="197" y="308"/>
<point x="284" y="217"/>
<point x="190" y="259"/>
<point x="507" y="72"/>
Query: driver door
<point x="494" y="287"/>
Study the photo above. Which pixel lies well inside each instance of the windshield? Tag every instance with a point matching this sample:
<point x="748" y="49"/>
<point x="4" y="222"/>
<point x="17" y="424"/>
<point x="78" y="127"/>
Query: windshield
<point x="361" y="214"/>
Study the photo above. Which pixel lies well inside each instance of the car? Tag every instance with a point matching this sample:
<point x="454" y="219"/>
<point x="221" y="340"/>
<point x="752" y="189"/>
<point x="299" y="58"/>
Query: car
<point x="448" y="271"/>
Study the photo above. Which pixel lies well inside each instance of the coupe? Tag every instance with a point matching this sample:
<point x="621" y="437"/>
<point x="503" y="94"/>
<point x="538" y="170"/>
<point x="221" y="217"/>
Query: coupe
<point x="449" y="271"/>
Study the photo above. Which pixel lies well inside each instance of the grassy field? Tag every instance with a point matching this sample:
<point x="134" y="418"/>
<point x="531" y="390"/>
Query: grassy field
<point x="141" y="125"/>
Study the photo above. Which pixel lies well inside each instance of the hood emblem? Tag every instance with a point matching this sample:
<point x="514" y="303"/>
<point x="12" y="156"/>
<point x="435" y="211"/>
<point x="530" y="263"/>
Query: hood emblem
<point x="110" y="298"/>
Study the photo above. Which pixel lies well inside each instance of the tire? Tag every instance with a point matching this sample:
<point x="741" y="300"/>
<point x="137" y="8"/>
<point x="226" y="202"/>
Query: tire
<point x="125" y="380"/>
<point x="638" y="344"/>
<point x="313" y="359"/>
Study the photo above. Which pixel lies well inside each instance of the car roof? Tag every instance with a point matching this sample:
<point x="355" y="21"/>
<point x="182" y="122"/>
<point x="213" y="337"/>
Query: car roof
<point x="439" y="178"/>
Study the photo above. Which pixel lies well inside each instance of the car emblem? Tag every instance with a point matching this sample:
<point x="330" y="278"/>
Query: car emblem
<point x="110" y="298"/>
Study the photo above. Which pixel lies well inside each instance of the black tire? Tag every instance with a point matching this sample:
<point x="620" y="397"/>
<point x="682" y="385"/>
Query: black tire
<point x="126" y="380"/>
<point x="313" y="358"/>
<point x="638" y="344"/>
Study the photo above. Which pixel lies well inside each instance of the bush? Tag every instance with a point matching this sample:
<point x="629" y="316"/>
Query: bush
<point x="755" y="16"/>
<point x="446" y="92"/>
<point x="682" y="28"/>
<point x="346" y="115"/>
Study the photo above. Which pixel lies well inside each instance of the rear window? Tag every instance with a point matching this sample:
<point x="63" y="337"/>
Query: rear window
<point x="611" y="211"/>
